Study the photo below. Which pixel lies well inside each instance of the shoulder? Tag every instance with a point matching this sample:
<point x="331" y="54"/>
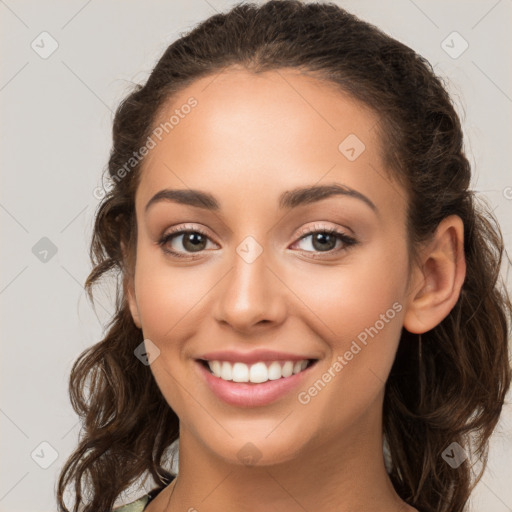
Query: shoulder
<point x="134" y="506"/>
<point x="140" y="504"/>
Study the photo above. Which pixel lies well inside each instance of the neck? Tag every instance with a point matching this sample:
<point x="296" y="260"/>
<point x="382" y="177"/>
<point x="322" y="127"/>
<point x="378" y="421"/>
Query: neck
<point x="335" y="473"/>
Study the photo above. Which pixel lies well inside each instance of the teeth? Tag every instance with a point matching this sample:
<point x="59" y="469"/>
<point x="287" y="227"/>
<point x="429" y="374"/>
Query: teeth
<point x="257" y="372"/>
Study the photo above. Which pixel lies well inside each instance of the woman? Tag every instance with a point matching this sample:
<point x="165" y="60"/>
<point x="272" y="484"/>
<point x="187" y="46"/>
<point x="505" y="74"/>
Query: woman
<point x="305" y="278"/>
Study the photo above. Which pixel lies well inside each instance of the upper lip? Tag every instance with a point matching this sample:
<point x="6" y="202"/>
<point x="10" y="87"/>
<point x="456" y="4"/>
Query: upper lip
<point x="252" y="357"/>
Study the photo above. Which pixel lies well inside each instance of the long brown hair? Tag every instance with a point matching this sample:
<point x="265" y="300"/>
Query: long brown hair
<point x="447" y="386"/>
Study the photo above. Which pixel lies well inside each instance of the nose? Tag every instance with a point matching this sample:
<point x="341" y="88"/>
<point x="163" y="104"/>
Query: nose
<point x="251" y="295"/>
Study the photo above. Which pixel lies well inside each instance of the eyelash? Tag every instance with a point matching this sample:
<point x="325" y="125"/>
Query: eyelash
<point x="348" y="241"/>
<point x="175" y="232"/>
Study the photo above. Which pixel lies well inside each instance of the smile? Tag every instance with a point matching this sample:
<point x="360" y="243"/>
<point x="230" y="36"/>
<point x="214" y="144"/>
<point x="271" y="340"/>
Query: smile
<point x="256" y="373"/>
<point x="253" y="385"/>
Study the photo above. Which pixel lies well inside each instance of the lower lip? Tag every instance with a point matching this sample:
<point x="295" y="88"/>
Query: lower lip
<point x="244" y="394"/>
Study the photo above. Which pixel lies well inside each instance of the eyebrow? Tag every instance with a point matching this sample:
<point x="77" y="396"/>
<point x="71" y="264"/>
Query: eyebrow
<point x="289" y="199"/>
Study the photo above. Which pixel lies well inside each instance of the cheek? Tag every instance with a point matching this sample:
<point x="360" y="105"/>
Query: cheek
<point x="360" y="306"/>
<point x="168" y="296"/>
<point x="354" y="295"/>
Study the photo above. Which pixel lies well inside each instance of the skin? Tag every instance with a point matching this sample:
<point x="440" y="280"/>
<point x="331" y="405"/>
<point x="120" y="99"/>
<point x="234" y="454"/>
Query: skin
<point x="250" y="138"/>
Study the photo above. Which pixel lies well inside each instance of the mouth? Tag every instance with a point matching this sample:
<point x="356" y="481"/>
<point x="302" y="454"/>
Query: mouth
<point x="255" y="385"/>
<point x="257" y="373"/>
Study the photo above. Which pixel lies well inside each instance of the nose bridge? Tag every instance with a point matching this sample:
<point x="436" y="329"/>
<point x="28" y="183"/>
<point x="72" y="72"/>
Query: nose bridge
<point x="251" y="293"/>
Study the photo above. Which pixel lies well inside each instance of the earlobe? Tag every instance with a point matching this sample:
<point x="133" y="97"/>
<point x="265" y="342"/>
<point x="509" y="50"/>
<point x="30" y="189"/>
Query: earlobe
<point x="436" y="285"/>
<point x="132" y="303"/>
<point x="129" y="292"/>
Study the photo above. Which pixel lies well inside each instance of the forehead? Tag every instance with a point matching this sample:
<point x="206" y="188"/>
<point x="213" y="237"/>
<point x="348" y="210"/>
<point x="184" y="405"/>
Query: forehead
<point x="262" y="132"/>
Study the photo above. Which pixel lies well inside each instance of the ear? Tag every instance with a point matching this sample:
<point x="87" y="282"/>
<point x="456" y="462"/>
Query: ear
<point x="129" y="290"/>
<point x="437" y="281"/>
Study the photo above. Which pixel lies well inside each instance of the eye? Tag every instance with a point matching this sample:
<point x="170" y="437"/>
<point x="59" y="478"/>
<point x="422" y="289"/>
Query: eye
<point x="321" y="239"/>
<point x="193" y="240"/>
<point x="184" y="241"/>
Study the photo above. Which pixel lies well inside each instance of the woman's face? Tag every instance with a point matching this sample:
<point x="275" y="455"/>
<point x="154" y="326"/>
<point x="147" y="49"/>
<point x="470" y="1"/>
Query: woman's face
<point x="259" y="272"/>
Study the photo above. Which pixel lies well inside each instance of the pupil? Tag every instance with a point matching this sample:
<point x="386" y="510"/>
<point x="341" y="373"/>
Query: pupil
<point x="195" y="239"/>
<point x="322" y="238"/>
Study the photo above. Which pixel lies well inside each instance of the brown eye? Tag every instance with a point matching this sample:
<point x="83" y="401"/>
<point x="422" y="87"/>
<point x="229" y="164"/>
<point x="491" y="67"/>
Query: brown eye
<point x="193" y="241"/>
<point x="181" y="243"/>
<point x="325" y="240"/>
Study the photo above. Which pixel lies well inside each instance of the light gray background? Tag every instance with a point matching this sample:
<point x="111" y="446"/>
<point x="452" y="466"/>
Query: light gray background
<point x="55" y="139"/>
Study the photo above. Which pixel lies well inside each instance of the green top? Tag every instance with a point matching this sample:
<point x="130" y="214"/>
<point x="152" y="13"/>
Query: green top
<point x="140" y="504"/>
<point x="135" y="506"/>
